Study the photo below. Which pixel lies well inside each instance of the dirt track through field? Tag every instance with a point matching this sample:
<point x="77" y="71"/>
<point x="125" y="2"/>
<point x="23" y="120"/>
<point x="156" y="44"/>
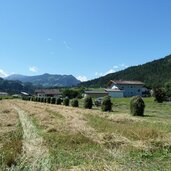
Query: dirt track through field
<point x="35" y="153"/>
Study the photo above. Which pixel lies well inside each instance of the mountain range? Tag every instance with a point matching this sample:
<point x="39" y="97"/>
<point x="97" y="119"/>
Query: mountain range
<point x="46" y="80"/>
<point x="153" y="74"/>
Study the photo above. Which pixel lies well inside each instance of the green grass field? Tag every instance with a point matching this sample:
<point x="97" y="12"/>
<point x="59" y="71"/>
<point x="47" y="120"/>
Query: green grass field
<point x="83" y="139"/>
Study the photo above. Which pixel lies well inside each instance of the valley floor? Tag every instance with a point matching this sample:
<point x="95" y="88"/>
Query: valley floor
<point x="41" y="136"/>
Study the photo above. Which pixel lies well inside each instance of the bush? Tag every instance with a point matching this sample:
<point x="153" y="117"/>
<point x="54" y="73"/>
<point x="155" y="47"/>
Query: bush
<point x="53" y="100"/>
<point x="88" y="103"/>
<point x="45" y="100"/>
<point x="32" y="98"/>
<point x="74" y="103"/>
<point x="26" y="98"/>
<point x="137" y="106"/>
<point x="48" y="100"/>
<point x="66" y="102"/>
<point x="58" y="101"/>
<point x="106" y="104"/>
<point x="42" y="100"/>
<point x="159" y="95"/>
<point x="0" y="98"/>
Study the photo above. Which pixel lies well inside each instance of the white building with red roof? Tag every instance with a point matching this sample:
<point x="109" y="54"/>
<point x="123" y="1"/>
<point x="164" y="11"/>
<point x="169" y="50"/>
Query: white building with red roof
<point x="125" y="88"/>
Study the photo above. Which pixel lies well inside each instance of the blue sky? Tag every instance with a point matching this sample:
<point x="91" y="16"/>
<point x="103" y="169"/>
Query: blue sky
<point x="85" y="38"/>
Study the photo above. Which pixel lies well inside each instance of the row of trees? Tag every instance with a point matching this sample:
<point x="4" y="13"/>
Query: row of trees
<point x="137" y="104"/>
<point x="88" y="102"/>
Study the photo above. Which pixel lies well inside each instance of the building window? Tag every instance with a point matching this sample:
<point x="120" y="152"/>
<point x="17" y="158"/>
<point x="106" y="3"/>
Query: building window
<point x="138" y="90"/>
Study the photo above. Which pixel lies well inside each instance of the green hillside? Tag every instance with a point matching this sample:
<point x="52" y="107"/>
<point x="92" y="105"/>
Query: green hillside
<point x="153" y="74"/>
<point x="15" y="86"/>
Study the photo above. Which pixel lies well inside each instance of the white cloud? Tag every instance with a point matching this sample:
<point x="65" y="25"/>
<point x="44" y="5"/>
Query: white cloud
<point x="114" y="69"/>
<point x="33" y="69"/>
<point x="97" y="74"/>
<point x="110" y="71"/>
<point x="124" y="66"/>
<point x="67" y="45"/>
<point x="120" y="67"/>
<point x="82" y="78"/>
<point x="3" y="73"/>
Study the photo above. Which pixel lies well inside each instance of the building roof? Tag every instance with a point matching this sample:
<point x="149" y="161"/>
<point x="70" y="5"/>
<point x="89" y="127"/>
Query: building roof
<point x="48" y="91"/>
<point x="113" y="90"/>
<point x="96" y="92"/>
<point x="3" y="93"/>
<point x="126" y="82"/>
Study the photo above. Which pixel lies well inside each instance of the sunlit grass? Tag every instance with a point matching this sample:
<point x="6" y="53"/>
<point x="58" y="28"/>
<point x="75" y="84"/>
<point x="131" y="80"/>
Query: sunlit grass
<point x="11" y="148"/>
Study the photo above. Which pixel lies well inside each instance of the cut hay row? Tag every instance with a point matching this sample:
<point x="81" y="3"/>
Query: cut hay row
<point x="35" y="154"/>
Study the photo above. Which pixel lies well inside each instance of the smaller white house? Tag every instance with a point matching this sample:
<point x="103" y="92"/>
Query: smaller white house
<point x="3" y="94"/>
<point x="96" y="94"/>
<point x="116" y="93"/>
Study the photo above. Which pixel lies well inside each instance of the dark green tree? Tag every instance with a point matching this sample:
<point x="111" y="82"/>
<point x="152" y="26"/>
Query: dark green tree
<point x="45" y="100"/>
<point x="66" y="102"/>
<point x="42" y="99"/>
<point x="74" y="103"/>
<point x="88" y="103"/>
<point x="48" y="100"/>
<point x="106" y="104"/>
<point x="58" y="101"/>
<point x="159" y="95"/>
<point x="137" y="106"/>
<point x="53" y="100"/>
<point x="32" y="98"/>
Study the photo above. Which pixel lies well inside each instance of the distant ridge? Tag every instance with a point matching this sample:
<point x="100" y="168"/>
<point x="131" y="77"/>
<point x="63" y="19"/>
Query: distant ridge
<point x="153" y="74"/>
<point x="47" y="80"/>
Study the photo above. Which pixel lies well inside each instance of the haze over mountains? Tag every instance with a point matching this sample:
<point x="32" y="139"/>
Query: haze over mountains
<point x="46" y="80"/>
<point x="153" y="74"/>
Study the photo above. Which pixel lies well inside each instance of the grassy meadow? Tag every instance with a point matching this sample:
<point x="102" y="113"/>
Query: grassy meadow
<point x="89" y="139"/>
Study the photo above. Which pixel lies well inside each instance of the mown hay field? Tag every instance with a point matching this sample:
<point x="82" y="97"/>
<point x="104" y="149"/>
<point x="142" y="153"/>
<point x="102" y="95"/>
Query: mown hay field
<point x="67" y="138"/>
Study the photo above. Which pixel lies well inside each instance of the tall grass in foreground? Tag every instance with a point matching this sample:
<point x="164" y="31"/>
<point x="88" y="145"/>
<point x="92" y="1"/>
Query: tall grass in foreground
<point x="11" y="148"/>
